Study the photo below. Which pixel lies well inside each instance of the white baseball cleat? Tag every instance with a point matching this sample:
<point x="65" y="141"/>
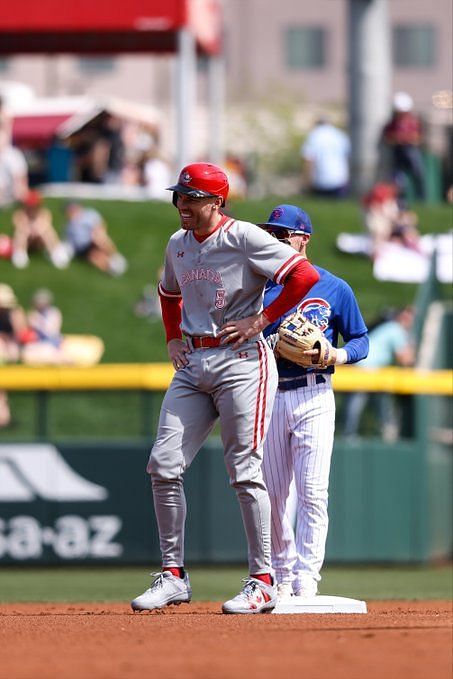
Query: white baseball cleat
<point x="306" y="587"/>
<point x="254" y="597"/>
<point x="166" y="589"/>
<point x="284" y="590"/>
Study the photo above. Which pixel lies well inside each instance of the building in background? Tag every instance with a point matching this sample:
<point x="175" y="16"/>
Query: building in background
<point x="292" y="51"/>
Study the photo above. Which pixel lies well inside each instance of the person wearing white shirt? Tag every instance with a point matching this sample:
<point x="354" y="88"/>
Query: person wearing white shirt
<point x="325" y="154"/>
<point x="13" y="171"/>
<point x="157" y="177"/>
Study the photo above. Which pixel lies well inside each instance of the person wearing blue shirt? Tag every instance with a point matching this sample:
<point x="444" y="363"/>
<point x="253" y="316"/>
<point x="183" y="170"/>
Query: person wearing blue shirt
<point x="390" y="344"/>
<point x="299" y="443"/>
<point x="86" y="237"/>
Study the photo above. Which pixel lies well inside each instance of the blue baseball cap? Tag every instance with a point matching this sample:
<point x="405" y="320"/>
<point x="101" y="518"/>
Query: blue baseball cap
<point x="289" y="217"/>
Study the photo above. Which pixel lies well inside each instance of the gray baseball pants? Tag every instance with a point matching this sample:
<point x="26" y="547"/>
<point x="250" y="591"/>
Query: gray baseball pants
<point x="238" y="388"/>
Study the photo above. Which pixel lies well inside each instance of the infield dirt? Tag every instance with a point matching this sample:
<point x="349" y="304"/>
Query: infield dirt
<point x="395" y="640"/>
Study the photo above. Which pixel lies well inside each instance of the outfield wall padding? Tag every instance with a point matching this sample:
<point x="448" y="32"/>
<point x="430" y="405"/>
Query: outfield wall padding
<point x="92" y="503"/>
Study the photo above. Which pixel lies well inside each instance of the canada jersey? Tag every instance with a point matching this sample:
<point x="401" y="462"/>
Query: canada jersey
<point x="222" y="278"/>
<point x="331" y="306"/>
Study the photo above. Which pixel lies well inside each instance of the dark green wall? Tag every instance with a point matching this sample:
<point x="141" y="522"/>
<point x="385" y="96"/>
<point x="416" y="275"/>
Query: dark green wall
<point x="387" y="503"/>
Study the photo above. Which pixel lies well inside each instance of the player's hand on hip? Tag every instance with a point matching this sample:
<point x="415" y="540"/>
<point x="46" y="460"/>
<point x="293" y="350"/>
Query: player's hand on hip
<point x="177" y="350"/>
<point x="238" y="332"/>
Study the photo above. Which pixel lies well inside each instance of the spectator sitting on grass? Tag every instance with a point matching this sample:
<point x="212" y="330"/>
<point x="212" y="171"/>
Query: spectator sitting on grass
<point x="390" y="344"/>
<point x="381" y="209"/>
<point x="45" y="320"/>
<point x="13" y="332"/>
<point x="49" y="346"/>
<point x="386" y="220"/>
<point x="33" y="230"/>
<point x="405" y="231"/>
<point x="86" y="237"/>
<point x="13" y="326"/>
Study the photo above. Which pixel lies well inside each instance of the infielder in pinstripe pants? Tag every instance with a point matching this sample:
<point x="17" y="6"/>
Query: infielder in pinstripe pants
<point x="211" y="292"/>
<point x="300" y="437"/>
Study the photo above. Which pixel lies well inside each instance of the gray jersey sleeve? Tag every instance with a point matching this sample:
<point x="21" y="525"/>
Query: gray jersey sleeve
<point x="268" y="256"/>
<point x="169" y="286"/>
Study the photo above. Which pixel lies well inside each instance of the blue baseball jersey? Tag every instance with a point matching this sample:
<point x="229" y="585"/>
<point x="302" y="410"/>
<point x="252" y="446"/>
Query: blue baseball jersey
<point x="330" y="305"/>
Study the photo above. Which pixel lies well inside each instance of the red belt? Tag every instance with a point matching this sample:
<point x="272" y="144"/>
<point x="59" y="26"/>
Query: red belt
<point x="205" y="342"/>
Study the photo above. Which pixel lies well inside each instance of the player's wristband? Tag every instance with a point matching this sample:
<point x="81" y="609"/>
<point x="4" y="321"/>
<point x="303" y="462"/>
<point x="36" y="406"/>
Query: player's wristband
<point x="342" y="357"/>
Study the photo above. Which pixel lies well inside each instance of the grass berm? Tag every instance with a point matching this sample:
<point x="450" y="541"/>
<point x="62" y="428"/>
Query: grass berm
<point x="93" y="303"/>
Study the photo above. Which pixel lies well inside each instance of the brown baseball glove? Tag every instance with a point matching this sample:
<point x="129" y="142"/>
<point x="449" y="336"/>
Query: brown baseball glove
<point x="303" y="343"/>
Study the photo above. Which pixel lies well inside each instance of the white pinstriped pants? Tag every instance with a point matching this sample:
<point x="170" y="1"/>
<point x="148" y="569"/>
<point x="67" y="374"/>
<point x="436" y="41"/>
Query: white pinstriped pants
<point x="299" y="445"/>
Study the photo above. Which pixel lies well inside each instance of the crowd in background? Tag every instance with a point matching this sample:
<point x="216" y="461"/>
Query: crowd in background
<point x="115" y="151"/>
<point x="85" y="236"/>
<point x="386" y="215"/>
<point x="107" y="150"/>
<point x="112" y="151"/>
<point x="388" y="219"/>
<point x="34" y="337"/>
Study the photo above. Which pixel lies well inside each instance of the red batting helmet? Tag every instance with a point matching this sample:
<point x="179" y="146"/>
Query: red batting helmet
<point x="202" y="180"/>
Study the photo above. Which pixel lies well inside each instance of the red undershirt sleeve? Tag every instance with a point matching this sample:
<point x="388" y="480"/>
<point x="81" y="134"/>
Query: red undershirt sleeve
<point x="297" y="283"/>
<point x="171" y="316"/>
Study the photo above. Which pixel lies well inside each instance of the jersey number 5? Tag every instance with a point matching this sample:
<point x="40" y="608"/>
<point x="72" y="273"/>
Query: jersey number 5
<point x="219" y="298"/>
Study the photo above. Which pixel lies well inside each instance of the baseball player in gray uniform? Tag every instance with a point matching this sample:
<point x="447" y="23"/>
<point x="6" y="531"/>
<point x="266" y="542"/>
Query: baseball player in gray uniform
<point x="300" y="437"/>
<point x="211" y="296"/>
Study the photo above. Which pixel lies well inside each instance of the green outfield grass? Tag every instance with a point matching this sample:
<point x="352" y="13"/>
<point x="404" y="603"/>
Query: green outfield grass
<point x="95" y="303"/>
<point x="214" y="584"/>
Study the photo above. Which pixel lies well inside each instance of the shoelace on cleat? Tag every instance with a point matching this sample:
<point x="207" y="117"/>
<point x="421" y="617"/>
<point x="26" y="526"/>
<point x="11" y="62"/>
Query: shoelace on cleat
<point x="249" y="588"/>
<point x="158" y="582"/>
